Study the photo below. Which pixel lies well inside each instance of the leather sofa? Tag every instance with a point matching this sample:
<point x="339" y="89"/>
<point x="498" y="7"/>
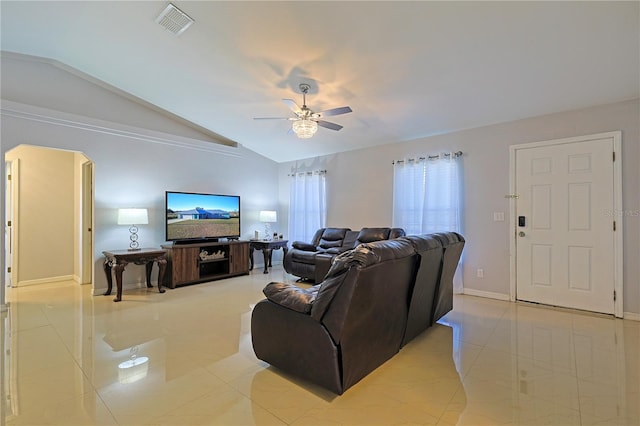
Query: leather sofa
<point x="432" y="294"/>
<point x="311" y="261"/>
<point x="452" y="245"/>
<point x="373" y="301"/>
<point x="336" y="333"/>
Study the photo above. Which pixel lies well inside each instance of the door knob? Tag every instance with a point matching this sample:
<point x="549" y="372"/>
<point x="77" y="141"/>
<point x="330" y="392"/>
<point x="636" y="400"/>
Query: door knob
<point x="521" y="234"/>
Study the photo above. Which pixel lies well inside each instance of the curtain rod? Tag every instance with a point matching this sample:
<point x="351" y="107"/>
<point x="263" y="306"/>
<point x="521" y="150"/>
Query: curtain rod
<point x="319" y="172"/>
<point x="431" y="157"/>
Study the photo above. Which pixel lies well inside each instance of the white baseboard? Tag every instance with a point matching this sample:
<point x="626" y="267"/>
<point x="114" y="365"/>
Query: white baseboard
<point x="631" y="316"/>
<point x="24" y="283"/>
<point x="487" y="294"/>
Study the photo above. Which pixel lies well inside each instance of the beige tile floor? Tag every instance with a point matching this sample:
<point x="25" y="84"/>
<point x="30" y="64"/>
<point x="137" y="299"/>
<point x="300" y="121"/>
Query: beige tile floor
<point x="488" y="362"/>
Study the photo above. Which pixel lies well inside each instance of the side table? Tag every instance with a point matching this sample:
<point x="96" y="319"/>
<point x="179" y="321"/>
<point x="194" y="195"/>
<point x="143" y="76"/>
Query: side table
<point x="119" y="259"/>
<point x="267" y="248"/>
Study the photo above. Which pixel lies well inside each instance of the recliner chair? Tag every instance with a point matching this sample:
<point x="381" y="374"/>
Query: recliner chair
<point x="336" y="333"/>
<point x="452" y="244"/>
<point x="374" y="300"/>
<point x="427" y="282"/>
<point x="311" y="261"/>
<point x="301" y="258"/>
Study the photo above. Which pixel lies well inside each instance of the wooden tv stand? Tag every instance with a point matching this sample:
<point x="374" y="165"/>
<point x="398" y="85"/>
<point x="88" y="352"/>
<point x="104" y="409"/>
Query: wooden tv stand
<point x="205" y="261"/>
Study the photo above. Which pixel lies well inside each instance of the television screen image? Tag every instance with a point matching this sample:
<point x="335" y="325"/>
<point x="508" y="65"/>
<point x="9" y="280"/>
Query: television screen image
<point x="193" y="216"/>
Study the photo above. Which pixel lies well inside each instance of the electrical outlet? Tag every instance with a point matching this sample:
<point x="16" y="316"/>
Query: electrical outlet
<point x="480" y="273"/>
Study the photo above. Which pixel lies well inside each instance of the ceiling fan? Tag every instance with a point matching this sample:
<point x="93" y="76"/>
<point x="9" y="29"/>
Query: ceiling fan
<point x="306" y="121"/>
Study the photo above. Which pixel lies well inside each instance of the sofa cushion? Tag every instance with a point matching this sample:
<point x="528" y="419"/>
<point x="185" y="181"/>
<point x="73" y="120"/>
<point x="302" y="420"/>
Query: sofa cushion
<point x="350" y="240"/>
<point x="324" y="244"/>
<point x="332" y="237"/>
<point x="290" y="296"/>
<point x="303" y="246"/>
<point x="369" y="235"/>
<point x="333" y="280"/>
<point x="396" y="233"/>
<point x="362" y="256"/>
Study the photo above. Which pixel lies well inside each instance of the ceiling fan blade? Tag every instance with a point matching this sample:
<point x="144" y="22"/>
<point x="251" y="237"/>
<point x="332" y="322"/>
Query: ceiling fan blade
<point x="328" y="125"/>
<point x="335" y="111"/>
<point x="293" y="106"/>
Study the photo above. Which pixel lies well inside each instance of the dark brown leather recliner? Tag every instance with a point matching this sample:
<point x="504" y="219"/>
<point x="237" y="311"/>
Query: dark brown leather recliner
<point x="337" y="332"/>
<point x="312" y="261"/>
<point x="432" y="294"/>
<point x="452" y="244"/>
<point x="421" y="302"/>
<point x="300" y="259"/>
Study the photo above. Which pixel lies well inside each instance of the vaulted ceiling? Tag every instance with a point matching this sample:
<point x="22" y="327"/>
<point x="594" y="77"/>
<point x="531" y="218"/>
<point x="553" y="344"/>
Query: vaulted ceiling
<point x="407" y="69"/>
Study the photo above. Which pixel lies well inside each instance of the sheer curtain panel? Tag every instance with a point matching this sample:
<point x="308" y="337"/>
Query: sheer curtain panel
<point x="427" y="196"/>
<point x="307" y="204"/>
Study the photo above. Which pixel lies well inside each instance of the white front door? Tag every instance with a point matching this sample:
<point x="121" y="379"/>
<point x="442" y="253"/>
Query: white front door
<point x="564" y="223"/>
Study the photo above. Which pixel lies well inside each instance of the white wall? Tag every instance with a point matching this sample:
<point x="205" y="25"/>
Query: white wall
<point x="360" y="186"/>
<point x="135" y="173"/>
<point x="133" y="166"/>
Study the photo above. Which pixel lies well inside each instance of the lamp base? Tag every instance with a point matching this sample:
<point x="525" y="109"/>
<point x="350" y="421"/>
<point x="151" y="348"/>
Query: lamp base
<point x="133" y="245"/>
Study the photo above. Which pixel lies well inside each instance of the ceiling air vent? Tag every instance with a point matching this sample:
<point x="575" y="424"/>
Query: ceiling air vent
<point x="174" y="19"/>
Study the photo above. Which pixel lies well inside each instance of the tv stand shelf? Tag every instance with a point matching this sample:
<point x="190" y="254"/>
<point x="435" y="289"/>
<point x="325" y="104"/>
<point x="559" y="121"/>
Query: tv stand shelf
<point x="205" y="261"/>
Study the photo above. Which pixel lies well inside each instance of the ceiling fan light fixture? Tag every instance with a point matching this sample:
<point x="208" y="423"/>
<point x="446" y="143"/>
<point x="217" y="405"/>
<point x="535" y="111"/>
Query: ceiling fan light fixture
<point x="305" y="128"/>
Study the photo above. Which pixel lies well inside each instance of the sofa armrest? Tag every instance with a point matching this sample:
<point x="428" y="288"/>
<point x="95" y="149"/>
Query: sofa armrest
<point x="323" y="264"/>
<point x="303" y="246"/>
<point x="290" y="296"/>
<point x="295" y="343"/>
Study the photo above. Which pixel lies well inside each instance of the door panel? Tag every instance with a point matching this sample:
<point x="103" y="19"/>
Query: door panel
<point x="565" y="251"/>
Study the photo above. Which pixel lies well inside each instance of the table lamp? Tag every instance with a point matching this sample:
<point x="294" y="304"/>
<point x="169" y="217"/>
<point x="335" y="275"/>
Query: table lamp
<point x="268" y="216"/>
<point x="133" y="217"/>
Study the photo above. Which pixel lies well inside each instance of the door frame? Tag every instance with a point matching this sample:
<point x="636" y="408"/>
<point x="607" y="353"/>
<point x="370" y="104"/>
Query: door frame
<point x="617" y="213"/>
<point x="12" y="191"/>
<point x="86" y="274"/>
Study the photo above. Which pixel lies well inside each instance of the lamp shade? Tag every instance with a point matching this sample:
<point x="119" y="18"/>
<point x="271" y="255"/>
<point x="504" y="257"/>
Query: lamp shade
<point x="133" y="217"/>
<point x="268" y="216"/>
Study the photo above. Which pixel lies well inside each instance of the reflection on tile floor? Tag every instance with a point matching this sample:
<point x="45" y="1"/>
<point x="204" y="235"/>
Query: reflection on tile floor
<point x="487" y="363"/>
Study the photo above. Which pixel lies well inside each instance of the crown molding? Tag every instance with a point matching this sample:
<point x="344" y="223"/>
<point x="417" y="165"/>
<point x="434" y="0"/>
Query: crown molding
<point x="4" y="54"/>
<point x="58" y="118"/>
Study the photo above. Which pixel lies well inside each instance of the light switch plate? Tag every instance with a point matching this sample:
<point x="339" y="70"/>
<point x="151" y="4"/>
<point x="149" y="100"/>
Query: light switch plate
<point x="498" y="216"/>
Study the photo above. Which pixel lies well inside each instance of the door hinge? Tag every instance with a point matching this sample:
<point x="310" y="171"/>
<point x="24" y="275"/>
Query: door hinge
<point x="614" y="156"/>
<point x="8" y="223"/>
<point x="8" y="269"/>
<point x="8" y="177"/>
<point x="614" y="295"/>
<point x="614" y="225"/>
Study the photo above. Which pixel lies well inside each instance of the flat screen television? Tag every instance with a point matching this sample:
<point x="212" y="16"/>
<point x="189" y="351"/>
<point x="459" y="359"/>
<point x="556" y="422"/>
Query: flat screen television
<point x="194" y="217"/>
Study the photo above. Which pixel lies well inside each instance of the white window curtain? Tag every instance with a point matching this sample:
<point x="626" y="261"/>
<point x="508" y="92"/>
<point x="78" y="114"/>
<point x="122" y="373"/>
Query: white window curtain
<point x="427" y="196"/>
<point x="307" y="204"/>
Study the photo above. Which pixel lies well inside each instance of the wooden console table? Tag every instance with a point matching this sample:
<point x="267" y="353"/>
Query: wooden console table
<point x="267" y="248"/>
<point x="119" y="259"/>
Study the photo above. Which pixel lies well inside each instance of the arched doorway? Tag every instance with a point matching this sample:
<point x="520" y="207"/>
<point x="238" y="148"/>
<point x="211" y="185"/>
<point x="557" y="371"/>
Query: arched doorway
<point x="51" y="216"/>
